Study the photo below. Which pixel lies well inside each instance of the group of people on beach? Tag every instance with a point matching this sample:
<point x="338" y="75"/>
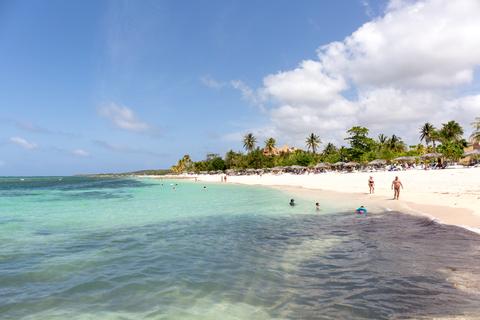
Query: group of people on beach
<point x="396" y="186"/>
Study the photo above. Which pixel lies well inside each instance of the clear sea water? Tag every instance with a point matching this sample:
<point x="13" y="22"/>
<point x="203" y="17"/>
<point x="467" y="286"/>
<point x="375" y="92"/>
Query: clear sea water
<point x="111" y="248"/>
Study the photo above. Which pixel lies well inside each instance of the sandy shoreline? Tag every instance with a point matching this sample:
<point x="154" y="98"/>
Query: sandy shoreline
<point x="450" y="196"/>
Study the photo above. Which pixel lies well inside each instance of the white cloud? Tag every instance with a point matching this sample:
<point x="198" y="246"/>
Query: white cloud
<point x="431" y="43"/>
<point x="80" y="153"/>
<point x="210" y="82"/>
<point x="248" y="93"/>
<point x="391" y="74"/>
<point x="123" y="117"/>
<point x="23" y="143"/>
<point x="306" y="84"/>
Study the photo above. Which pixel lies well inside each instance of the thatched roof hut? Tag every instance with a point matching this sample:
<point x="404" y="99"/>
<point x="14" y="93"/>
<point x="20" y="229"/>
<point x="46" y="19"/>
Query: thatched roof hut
<point x="406" y="159"/>
<point x="432" y="155"/>
<point x="351" y="164"/>
<point x="378" y="162"/>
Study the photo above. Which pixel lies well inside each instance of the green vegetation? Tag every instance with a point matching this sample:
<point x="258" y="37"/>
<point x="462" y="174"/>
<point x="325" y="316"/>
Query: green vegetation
<point x="475" y="137"/>
<point x="362" y="148"/>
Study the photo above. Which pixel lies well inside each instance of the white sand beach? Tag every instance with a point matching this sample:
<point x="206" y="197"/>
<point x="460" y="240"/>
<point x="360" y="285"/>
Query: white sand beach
<point x="450" y="196"/>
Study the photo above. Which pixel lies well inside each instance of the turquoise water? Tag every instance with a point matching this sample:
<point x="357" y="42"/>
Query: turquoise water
<point x="110" y="248"/>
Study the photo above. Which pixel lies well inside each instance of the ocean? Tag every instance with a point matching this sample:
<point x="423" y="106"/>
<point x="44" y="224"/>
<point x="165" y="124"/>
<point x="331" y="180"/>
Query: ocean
<point x="124" y="248"/>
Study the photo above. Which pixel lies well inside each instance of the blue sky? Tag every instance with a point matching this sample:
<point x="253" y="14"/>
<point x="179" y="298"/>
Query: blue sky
<point x="111" y="86"/>
<point x="63" y="60"/>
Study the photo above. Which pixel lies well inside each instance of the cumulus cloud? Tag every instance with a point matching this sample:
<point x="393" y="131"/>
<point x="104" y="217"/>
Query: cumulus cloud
<point x="80" y="153"/>
<point x="123" y="117"/>
<point x="391" y="74"/>
<point x="23" y="143"/>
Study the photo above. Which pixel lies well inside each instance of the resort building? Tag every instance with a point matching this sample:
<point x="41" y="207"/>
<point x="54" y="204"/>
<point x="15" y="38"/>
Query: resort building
<point x="277" y="151"/>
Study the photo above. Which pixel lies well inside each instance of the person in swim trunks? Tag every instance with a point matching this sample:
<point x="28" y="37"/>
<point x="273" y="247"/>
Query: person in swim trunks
<point x="396" y="185"/>
<point x="371" y="185"/>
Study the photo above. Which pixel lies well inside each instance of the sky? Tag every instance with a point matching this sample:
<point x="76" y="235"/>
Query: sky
<point x="115" y="86"/>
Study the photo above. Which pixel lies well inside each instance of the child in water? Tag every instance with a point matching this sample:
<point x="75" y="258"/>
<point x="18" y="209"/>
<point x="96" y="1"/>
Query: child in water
<point x="361" y="210"/>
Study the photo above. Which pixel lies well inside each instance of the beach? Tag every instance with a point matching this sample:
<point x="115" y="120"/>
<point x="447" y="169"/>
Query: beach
<point x="450" y="196"/>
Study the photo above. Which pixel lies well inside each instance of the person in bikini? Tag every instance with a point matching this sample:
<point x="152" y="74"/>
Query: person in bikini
<point x="396" y="185"/>
<point x="371" y="185"/>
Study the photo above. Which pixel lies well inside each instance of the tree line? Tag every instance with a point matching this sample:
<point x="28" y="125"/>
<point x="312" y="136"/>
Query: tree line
<point x="447" y="140"/>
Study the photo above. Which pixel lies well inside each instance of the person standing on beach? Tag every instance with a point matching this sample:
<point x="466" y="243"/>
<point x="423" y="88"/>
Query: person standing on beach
<point x="371" y="185"/>
<point x="396" y="185"/>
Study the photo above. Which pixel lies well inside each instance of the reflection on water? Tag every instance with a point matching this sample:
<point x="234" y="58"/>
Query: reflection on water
<point x="246" y="266"/>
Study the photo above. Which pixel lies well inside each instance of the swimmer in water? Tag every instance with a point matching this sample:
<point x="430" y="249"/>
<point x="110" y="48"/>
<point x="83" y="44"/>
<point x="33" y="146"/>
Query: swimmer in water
<point x="292" y="202"/>
<point x="317" y="206"/>
<point x="361" y="210"/>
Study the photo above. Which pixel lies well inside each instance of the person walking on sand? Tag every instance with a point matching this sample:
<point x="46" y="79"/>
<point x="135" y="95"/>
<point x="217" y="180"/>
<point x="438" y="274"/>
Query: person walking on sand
<point x="396" y="185"/>
<point x="371" y="185"/>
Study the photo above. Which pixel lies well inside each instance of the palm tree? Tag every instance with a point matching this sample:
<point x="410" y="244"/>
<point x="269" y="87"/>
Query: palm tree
<point x="382" y="138"/>
<point x="395" y="143"/>
<point x="312" y="142"/>
<point x="249" y="142"/>
<point x="451" y="131"/>
<point x="475" y="136"/>
<point x="329" y="149"/>
<point x="270" y="144"/>
<point x="427" y="133"/>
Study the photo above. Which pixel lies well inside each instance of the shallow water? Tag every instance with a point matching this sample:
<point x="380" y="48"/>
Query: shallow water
<point x="91" y="248"/>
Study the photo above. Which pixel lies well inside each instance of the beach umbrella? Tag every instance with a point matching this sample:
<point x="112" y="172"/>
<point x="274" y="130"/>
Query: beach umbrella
<point x="432" y="155"/>
<point x="351" y="164"/>
<point x="475" y="152"/>
<point x="297" y="167"/>
<point x="322" y="165"/>
<point x="405" y="159"/>
<point x="378" y="162"/>
<point x="338" y="164"/>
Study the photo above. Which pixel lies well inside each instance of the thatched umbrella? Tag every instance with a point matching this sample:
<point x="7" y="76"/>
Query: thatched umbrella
<point x="470" y="153"/>
<point x="377" y="162"/>
<point x="322" y="165"/>
<point x="351" y="164"/>
<point x="297" y="167"/>
<point x="405" y="159"/>
<point x="338" y="164"/>
<point x="432" y="155"/>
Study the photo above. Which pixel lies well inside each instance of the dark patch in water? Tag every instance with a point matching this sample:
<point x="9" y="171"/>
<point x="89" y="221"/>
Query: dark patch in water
<point x="96" y="195"/>
<point x="25" y="185"/>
